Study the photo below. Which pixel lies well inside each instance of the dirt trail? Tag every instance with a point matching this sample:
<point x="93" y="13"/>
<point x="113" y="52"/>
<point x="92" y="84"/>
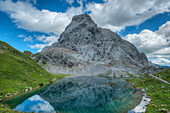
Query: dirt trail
<point x="159" y="78"/>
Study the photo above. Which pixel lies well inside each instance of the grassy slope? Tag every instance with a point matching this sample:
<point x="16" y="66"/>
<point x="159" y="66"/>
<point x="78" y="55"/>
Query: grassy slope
<point x="164" y="75"/>
<point x="18" y="71"/>
<point x="157" y="90"/>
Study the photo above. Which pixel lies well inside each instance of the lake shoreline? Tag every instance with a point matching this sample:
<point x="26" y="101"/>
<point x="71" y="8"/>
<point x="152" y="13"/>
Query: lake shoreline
<point x="24" y="92"/>
<point x="33" y="89"/>
<point x="136" y="109"/>
<point x="142" y="106"/>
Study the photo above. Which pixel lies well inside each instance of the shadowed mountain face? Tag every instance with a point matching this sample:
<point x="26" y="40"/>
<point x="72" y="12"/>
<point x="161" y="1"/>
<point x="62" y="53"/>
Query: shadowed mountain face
<point x="87" y="44"/>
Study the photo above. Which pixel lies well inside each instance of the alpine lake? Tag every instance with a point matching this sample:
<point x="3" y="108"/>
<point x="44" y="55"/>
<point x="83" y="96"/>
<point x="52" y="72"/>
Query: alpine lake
<point x="80" y="94"/>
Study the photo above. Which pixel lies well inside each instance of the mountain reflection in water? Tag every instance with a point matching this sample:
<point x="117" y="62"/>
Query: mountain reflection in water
<point x="84" y="94"/>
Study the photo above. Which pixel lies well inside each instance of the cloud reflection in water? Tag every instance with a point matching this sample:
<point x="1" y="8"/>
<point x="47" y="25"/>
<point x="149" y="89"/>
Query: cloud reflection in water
<point x="35" y="104"/>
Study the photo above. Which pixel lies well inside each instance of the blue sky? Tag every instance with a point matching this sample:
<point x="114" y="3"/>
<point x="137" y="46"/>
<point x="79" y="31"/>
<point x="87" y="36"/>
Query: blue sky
<point x="34" y="24"/>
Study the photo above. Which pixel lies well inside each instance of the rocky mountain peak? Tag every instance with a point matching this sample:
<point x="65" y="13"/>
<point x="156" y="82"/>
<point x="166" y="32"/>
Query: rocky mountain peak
<point x="82" y="19"/>
<point x="79" y="22"/>
<point x="95" y="45"/>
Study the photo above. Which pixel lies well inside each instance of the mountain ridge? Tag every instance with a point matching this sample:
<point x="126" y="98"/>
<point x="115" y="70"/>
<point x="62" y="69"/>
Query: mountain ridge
<point x="95" y="46"/>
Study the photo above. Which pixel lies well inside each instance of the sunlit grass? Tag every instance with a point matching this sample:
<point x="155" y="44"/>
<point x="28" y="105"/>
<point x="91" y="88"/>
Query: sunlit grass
<point x="157" y="90"/>
<point x="19" y="73"/>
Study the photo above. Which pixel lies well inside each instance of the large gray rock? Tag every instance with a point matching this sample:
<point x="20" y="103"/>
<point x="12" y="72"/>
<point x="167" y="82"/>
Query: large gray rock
<point x="88" y="44"/>
<point x="97" y="44"/>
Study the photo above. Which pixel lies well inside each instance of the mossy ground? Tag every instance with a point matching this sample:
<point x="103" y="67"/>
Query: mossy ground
<point x="19" y="72"/>
<point x="5" y="109"/>
<point x="158" y="91"/>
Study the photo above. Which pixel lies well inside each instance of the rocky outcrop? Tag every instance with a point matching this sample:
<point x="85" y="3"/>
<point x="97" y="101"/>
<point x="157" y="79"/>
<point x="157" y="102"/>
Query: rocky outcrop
<point x="88" y="44"/>
<point x="28" y="53"/>
<point x="97" y="44"/>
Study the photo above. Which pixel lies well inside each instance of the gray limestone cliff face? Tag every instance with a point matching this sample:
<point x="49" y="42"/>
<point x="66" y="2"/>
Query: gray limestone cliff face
<point x="83" y="43"/>
<point x="97" y="44"/>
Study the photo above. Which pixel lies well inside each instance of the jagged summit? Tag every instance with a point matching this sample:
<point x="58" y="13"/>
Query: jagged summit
<point x="97" y="44"/>
<point x="82" y="19"/>
<point x="94" y="45"/>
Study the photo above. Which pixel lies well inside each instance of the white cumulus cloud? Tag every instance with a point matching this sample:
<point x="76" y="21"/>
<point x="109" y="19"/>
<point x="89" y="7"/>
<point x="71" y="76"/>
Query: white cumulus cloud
<point x="26" y="38"/>
<point x="46" y="40"/>
<point x="154" y="44"/>
<point x="161" y="61"/>
<point x="28" y="17"/>
<point x="117" y="14"/>
<point x="113" y="14"/>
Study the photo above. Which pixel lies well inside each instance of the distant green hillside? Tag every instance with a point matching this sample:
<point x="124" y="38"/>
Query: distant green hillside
<point x="19" y="72"/>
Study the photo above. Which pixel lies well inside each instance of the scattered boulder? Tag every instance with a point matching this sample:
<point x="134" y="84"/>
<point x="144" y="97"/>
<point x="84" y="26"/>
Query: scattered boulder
<point x="1" y="51"/>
